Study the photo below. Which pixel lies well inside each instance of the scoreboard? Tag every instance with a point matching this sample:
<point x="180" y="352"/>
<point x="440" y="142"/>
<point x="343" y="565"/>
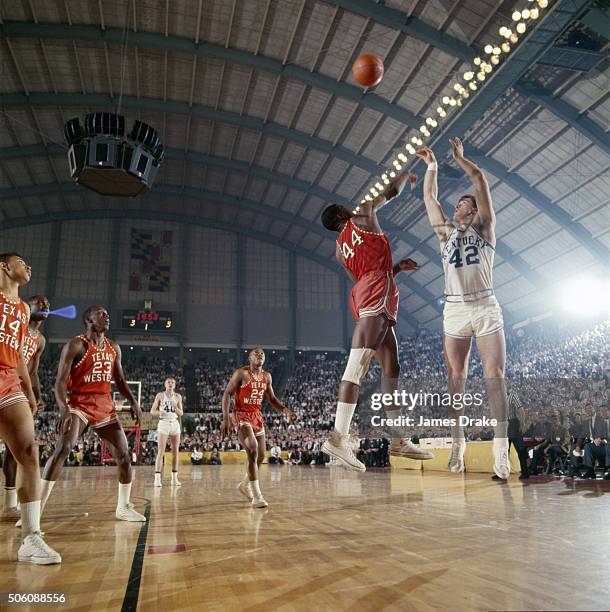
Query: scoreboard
<point x="157" y="321"/>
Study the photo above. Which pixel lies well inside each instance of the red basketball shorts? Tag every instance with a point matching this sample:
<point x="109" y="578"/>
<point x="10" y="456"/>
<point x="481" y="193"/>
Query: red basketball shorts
<point x="10" y="388"/>
<point x="253" y="417"/>
<point x="375" y="294"/>
<point x="94" y="409"/>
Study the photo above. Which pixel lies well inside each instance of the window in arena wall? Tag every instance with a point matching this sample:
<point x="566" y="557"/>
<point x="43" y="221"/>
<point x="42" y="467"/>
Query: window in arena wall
<point x="84" y="260"/>
<point x="317" y="287"/>
<point x="212" y="277"/>
<point x="266" y="278"/>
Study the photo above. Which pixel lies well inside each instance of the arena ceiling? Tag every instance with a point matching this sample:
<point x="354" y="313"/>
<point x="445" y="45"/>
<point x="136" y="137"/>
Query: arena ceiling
<point x="264" y="125"/>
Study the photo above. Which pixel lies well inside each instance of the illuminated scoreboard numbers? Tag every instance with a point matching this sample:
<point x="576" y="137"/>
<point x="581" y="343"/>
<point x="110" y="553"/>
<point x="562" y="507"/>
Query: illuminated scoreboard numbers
<point x="148" y="320"/>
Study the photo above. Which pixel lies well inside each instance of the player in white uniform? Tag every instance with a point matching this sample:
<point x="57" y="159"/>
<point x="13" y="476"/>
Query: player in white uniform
<point x="471" y="308"/>
<point x="168" y="407"/>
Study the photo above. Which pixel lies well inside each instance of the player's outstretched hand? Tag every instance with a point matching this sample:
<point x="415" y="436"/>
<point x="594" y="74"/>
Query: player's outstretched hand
<point x="136" y="411"/>
<point x="406" y="265"/>
<point x="426" y="154"/>
<point x="225" y="429"/>
<point x="457" y="148"/>
<point x="291" y="415"/>
<point x="412" y="181"/>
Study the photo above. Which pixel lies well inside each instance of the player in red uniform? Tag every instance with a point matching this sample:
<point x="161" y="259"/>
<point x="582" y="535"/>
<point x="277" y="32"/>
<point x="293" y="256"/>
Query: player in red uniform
<point x="33" y="346"/>
<point x="18" y="405"/>
<point x="87" y="366"/>
<point x="364" y="252"/>
<point x="248" y="386"/>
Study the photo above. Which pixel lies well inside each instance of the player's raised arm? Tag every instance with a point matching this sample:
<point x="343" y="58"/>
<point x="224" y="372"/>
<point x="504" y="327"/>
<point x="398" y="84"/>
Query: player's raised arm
<point x="394" y="189"/>
<point x="227" y="398"/>
<point x="481" y="186"/>
<point x="123" y="387"/>
<point x="441" y="225"/>
<point x="275" y="402"/>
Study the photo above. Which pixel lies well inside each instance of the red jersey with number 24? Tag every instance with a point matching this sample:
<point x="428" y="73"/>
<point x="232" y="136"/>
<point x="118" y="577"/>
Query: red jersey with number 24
<point x="364" y="251"/>
<point x="93" y="373"/>
<point x="249" y="397"/>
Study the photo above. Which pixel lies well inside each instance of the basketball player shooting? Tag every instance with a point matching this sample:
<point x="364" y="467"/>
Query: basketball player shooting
<point x="87" y="366"/>
<point x="247" y="388"/>
<point x="467" y="245"/>
<point x="34" y="344"/>
<point x="18" y="405"/>
<point x="364" y="252"/>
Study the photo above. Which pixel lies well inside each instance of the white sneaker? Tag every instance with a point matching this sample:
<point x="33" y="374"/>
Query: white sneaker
<point x="10" y="513"/>
<point x="18" y="524"/>
<point x="35" y="550"/>
<point x="128" y="513"/>
<point x="259" y="502"/>
<point x="406" y="448"/>
<point x="344" y="453"/>
<point x="501" y="458"/>
<point x="157" y="480"/>
<point x="456" y="459"/>
<point x="176" y="482"/>
<point x="244" y="488"/>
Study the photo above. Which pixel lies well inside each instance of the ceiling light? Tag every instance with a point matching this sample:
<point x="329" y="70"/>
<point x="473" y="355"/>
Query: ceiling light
<point x="508" y="33"/>
<point x="481" y="76"/>
<point x="516" y="16"/>
<point x="392" y="174"/>
<point x="525" y="14"/>
<point x="488" y="49"/>
<point x="505" y="47"/>
<point x="379" y="186"/>
<point x="445" y="99"/>
<point x="534" y="14"/>
<point x="497" y="51"/>
<point x="423" y="129"/>
<point x="477" y="61"/>
<point x="495" y="59"/>
<point x="402" y="157"/>
<point x="468" y="75"/>
<point x="543" y="3"/>
<point x="451" y="102"/>
<point x="487" y="69"/>
<point x="502" y="31"/>
<point x="514" y="39"/>
<point x="521" y="27"/>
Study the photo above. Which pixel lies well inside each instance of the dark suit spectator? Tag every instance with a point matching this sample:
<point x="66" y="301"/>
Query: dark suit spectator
<point x="516" y="423"/>
<point x="214" y="457"/>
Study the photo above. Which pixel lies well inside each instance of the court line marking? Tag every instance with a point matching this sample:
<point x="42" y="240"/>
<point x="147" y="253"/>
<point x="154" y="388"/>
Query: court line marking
<point x="132" y="591"/>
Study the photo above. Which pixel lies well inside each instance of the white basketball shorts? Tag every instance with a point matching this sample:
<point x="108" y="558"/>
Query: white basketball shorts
<point x="169" y="428"/>
<point x="468" y="319"/>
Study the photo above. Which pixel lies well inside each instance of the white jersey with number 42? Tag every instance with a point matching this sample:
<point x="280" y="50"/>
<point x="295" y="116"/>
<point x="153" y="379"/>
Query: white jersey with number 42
<point x="468" y="261"/>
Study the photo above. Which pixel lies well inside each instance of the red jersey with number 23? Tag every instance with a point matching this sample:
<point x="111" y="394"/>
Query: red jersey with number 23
<point x="364" y="251"/>
<point x="93" y="373"/>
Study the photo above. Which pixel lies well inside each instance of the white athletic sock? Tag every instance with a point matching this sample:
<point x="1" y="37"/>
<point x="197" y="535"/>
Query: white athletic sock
<point x="46" y="488"/>
<point x="343" y="418"/>
<point x="124" y="492"/>
<point x="30" y="517"/>
<point x="10" y="497"/>
<point x="256" y="490"/>
<point x="174" y="475"/>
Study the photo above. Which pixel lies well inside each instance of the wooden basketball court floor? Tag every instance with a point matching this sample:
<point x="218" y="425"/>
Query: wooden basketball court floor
<point x="330" y="540"/>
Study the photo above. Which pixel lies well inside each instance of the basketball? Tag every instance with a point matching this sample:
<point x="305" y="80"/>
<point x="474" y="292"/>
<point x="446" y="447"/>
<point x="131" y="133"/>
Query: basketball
<point x="368" y="70"/>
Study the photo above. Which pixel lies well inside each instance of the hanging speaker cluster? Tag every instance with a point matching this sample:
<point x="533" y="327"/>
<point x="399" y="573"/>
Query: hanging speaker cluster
<point x="102" y="159"/>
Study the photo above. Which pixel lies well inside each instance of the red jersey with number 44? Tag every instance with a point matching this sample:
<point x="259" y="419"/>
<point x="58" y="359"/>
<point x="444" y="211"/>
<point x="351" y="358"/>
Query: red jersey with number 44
<point x="249" y="397"/>
<point x="14" y="319"/>
<point x="93" y="373"/>
<point x="364" y="251"/>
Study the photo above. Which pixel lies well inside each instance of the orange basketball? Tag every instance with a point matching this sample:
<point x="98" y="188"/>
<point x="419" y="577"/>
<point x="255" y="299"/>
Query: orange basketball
<point x="368" y="70"/>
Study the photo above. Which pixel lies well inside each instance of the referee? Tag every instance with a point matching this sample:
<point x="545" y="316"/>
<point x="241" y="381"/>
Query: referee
<point x="516" y="419"/>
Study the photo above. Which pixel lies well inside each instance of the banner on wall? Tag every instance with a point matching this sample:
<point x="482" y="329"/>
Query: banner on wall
<point x="150" y="260"/>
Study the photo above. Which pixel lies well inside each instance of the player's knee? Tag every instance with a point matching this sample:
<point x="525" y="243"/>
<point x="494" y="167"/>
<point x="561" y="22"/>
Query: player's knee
<point x="358" y="364"/>
<point x="456" y="372"/>
<point x="494" y="370"/>
<point x="123" y="459"/>
<point x="63" y="448"/>
<point x="27" y="454"/>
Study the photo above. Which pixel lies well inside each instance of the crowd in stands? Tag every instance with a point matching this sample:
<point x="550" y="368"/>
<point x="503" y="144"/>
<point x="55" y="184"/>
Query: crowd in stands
<point x="563" y="372"/>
